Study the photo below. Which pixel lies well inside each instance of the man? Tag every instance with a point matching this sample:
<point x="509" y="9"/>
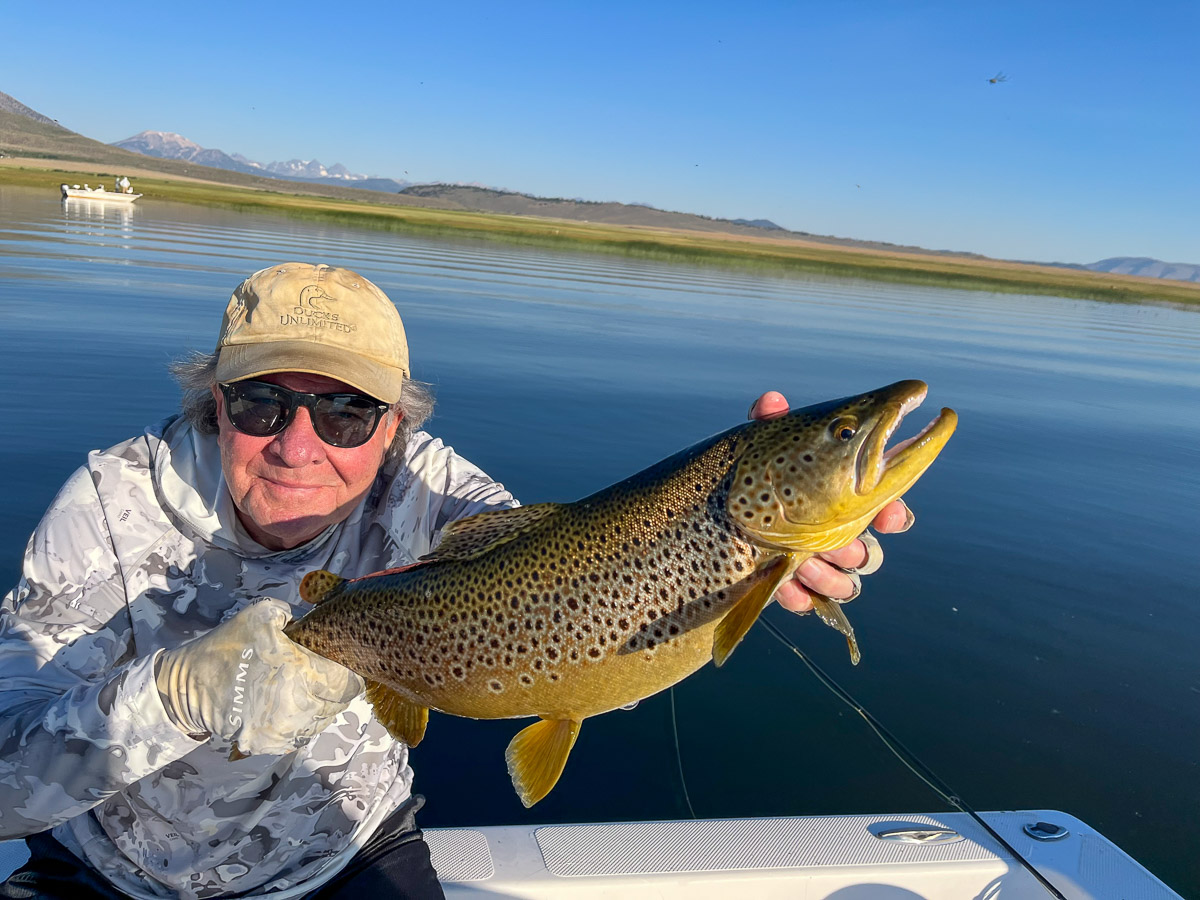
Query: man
<point x="160" y="735"/>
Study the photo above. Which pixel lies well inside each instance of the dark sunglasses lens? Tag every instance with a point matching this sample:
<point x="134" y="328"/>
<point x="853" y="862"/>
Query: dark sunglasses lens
<point x="256" y="409"/>
<point x="345" y="421"/>
<point x="262" y="410"/>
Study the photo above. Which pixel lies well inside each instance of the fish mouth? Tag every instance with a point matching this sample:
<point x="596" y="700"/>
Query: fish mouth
<point x="894" y="469"/>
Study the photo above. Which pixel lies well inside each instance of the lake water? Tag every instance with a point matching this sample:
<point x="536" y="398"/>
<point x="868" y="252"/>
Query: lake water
<point x="1033" y="639"/>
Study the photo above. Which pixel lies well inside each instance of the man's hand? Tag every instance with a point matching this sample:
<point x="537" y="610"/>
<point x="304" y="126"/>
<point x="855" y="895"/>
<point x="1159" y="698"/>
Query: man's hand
<point x="834" y="574"/>
<point x="247" y="682"/>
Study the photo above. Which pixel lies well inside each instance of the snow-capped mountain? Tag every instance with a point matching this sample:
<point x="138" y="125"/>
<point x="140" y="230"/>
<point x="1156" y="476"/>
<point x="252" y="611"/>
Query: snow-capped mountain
<point x="168" y="145"/>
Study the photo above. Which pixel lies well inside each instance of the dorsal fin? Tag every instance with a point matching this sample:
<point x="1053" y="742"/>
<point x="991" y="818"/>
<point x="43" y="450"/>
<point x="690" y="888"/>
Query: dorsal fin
<point x="475" y="535"/>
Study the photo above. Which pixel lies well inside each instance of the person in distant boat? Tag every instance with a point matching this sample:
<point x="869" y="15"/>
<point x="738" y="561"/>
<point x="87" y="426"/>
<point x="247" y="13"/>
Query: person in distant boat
<point x="144" y="640"/>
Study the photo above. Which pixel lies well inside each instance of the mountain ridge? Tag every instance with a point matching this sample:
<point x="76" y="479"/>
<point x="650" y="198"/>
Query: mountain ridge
<point x="170" y="145"/>
<point x="1146" y="267"/>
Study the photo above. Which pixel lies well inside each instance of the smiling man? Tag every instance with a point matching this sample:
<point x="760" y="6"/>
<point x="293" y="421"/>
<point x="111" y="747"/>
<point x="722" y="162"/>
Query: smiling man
<point x="161" y="735"/>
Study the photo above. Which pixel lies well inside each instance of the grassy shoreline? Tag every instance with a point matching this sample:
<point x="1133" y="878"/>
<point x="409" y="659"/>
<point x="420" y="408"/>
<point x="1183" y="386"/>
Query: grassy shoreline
<point x="765" y="254"/>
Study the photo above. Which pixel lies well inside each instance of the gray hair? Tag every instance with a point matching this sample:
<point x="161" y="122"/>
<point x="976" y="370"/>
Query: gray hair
<point x="196" y="374"/>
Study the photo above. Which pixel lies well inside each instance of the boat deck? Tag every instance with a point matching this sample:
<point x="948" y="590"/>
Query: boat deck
<point x="918" y="857"/>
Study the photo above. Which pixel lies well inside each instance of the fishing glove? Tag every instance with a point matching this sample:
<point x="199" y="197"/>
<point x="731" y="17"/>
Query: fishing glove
<point x="247" y="682"/>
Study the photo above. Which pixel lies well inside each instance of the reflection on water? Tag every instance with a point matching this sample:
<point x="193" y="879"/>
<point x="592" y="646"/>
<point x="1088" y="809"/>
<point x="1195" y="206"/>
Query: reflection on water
<point x="1032" y="639"/>
<point x="102" y="212"/>
<point x="101" y="219"/>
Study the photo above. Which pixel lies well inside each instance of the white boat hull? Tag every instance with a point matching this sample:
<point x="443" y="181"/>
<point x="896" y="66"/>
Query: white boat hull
<point x="97" y="194"/>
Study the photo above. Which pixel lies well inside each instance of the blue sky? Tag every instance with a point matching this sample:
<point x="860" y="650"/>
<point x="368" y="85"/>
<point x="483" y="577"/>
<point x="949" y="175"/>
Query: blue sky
<point x="864" y="120"/>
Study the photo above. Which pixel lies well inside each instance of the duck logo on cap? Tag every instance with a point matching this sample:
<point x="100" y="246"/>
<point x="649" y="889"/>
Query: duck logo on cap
<point x="313" y="296"/>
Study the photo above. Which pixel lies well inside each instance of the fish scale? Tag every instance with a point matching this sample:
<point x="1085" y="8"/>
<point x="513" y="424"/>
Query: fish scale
<point x="565" y="611"/>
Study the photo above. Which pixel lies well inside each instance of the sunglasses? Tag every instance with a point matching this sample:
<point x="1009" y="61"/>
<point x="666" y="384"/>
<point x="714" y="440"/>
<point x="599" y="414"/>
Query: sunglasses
<point x="261" y="409"/>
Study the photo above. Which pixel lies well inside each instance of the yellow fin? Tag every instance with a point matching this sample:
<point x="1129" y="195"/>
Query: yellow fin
<point x="318" y="585"/>
<point x="475" y="535"/>
<point x="831" y="614"/>
<point x="404" y="720"/>
<point x="537" y="755"/>
<point x="746" y="611"/>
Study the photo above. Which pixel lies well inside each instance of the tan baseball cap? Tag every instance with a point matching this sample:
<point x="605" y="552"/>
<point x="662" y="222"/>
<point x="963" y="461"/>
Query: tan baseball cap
<point x="299" y="317"/>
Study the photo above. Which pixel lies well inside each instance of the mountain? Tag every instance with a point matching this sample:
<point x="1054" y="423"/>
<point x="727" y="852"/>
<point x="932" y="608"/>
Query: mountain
<point x="513" y="203"/>
<point x="311" y="168"/>
<point x="168" y="145"/>
<point x="16" y="107"/>
<point x="1146" y="267"/>
<point x="759" y="223"/>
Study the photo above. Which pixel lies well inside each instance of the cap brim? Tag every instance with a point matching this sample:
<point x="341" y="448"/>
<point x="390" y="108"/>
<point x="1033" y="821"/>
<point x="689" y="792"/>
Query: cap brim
<point x="375" y="379"/>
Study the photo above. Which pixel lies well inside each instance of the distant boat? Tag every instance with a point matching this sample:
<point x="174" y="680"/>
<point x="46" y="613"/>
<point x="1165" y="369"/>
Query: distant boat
<point x="122" y="193"/>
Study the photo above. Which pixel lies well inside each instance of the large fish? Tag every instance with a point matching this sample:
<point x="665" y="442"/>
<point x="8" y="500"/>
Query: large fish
<point x="564" y="611"/>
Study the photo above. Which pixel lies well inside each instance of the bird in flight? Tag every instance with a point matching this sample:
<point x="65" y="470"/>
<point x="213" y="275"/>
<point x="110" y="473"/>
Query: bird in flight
<point x="997" y="78"/>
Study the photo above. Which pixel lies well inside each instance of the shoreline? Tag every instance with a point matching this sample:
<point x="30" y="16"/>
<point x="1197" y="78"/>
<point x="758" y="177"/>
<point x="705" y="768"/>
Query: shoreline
<point x="766" y="253"/>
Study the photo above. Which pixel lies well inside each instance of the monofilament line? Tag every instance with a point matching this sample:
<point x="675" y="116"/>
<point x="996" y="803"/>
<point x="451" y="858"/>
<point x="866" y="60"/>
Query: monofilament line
<point x="907" y="757"/>
<point x="679" y="755"/>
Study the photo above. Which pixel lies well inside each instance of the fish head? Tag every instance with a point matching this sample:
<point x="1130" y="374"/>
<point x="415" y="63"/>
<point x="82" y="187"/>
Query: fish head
<point x="814" y="478"/>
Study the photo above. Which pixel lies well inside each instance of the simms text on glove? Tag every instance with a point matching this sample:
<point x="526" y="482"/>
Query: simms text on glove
<point x="247" y="682"/>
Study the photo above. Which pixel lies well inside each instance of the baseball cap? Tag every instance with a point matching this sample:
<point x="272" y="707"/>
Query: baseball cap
<point x="323" y="320"/>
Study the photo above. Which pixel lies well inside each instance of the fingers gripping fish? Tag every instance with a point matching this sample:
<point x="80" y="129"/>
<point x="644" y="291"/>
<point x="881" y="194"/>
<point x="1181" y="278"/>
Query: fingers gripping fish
<point x="564" y="611"/>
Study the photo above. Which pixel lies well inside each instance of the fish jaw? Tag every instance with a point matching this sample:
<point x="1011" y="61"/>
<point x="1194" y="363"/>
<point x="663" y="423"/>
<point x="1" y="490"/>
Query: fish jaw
<point x="814" y="479"/>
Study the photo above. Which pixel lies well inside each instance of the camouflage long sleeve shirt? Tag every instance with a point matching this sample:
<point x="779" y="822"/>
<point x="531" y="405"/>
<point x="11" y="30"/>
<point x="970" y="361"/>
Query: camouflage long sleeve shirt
<point x="140" y="551"/>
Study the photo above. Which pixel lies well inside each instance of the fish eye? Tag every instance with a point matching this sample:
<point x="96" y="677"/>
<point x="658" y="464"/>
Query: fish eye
<point x="843" y="428"/>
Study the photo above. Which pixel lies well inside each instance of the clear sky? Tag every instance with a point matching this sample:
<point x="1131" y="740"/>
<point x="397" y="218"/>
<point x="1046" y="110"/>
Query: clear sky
<point x="870" y="120"/>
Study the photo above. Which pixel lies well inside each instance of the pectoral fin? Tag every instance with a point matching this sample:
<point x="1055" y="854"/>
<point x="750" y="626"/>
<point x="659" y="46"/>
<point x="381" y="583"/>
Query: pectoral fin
<point x="747" y="610"/>
<point x="537" y="755"/>
<point x="404" y="720"/>
<point x="831" y="614"/>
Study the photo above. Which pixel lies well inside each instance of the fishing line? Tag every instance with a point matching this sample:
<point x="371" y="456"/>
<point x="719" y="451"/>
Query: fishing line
<point x="903" y="754"/>
<point x="679" y="756"/>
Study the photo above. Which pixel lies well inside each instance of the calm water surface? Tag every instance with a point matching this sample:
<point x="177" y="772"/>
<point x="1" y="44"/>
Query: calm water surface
<point x="1033" y="639"/>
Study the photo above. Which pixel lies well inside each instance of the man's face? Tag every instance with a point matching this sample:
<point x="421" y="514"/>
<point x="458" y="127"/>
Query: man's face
<point x="290" y="487"/>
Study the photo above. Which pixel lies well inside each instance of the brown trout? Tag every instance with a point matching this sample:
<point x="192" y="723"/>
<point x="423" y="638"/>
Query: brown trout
<point x="564" y="611"/>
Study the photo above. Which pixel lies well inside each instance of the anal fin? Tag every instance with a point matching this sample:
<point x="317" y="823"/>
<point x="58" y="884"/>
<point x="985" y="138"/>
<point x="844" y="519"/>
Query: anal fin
<point x="831" y="614"/>
<point x="404" y="720"/>
<point x="537" y="755"/>
<point x="746" y="611"/>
